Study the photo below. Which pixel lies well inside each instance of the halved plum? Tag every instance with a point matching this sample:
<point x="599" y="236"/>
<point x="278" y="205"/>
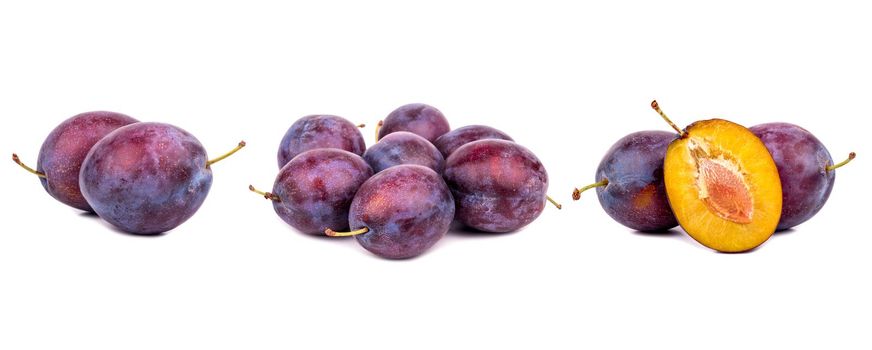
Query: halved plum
<point x="722" y="184"/>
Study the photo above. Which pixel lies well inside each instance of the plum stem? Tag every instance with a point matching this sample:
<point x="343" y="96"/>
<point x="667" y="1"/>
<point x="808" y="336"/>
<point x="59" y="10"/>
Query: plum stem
<point x="851" y="157"/>
<point x="228" y="154"/>
<point x="25" y="167"/>
<point x="361" y="126"/>
<point x="656" y="107"/>
<point x="553" y="202"/>
<point x="271" y="196"/>
<point x="332" y="233"/>
<point x="576" y="194"/>
<point x="378" y="127"/>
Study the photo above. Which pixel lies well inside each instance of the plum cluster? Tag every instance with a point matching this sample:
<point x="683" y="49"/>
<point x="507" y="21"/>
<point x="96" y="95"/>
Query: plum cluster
<point x="399" y="197"/>
<point x="142" y="177"/>
<point x="728" y="186"/>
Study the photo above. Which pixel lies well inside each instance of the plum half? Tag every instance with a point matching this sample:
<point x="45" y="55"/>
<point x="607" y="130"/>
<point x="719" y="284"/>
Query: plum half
<point x="64" y="150"/>
<point x="805" y="167"/>
<point x="722" y="184"/>
<point x="147" y="178"/>
<point x="629" y="182"/>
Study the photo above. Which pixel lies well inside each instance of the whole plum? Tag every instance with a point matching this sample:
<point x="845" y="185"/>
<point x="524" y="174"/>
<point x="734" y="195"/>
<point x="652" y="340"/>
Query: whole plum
<point x="806" y="169"/>
<point x="400" y="212"/>
<point x="64" y="150"/>
<point x="320" y="131"/>
<point x="313" y="192"/>
<point x="147" y="178"/>
<point x="498" y="185"/>
<point x="451" y="141"/>
<point x="630" y="183"/>
<point x="403" y="147"/>
<point x="417" y="118"/>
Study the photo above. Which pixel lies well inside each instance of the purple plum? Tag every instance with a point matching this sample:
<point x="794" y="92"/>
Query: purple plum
<point x="403" y="147"/>
<point x="147" y="178"/>
<point x="64" y="150"/>
<point x="401" y="212"/>
<point x="630" y="183"/>
<point x="417" y="118"/>
<point x="806" y="169"/>
<point x="313" y="192"/>
<point x="498" y="185"/>
<point x="320" y="131"/>
<point x="451" y="141"/>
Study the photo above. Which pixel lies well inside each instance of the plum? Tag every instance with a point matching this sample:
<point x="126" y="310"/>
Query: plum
<point x="417" y="118"/>
<point x="498" y="185"/>
<point x="147" y="178"/>
<point x="64" y="150"/>
<point x="452" y="140"/>
<point x="320" y="131"/>
<point x="313" y="192"/>
<point x="805" y="167"/>
<point x="400" y="212"/>
<point x="630" y="184"/>
<point x="403" y="147"/>
<point x="722" y="184"/>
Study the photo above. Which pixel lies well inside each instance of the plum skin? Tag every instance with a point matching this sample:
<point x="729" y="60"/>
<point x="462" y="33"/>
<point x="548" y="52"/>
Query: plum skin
<point x="320" y="131"/>
<point x="65" y="148"/>
<point x="146" y="178"/>
<point x="315" y="189"/>
<point x="636" y="194"/>
<point x="498" y="185"/>
<point x="802" y="162"/>
<point x="451" y="141"/>
<point x="403" y="147"/>
<point x="407" y="209"/>
<point x="418" y="118"/>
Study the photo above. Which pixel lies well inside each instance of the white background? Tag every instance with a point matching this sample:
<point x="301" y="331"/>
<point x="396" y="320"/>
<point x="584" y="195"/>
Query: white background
<point x="566" y="79"/>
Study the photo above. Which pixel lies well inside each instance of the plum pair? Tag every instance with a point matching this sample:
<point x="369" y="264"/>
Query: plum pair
<point x="144" y="178"/>
<point x="404" y="137"/>
<point x="407" y="136"/>
<point x="729" y="187"/>
<point x="398" y="213"/>
<point x="397" y="145"/>
<point x="320" y="170"/>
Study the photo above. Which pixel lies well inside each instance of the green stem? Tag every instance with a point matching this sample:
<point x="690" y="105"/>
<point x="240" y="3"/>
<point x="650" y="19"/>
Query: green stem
<point x="332" y="233"/>
<point x="553" y="202"/>
<point x="378" y="127"/>
<point x="25" y="167"/>
<point x="576" y="194"/>
<point x="271" y="196"/>
<point x="656" y="107"/>
<point x="851" y="157"/>
<point x="228" y="154"/>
